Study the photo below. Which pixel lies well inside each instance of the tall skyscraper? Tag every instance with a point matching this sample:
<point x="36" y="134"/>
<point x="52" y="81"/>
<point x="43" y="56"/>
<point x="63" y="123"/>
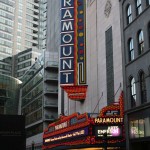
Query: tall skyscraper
<point x="22" y="24"/>
<point x="29" y="17"/>
<point x="7" y="21"/>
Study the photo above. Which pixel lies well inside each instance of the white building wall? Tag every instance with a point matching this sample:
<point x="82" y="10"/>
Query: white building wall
<point x="97" y="23"/>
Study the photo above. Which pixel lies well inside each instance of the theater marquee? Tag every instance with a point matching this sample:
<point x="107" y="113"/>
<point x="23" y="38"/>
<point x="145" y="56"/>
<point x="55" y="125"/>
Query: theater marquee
<point x="109" y="125"/>
<point x="73" y="49"/>
<point x="83" y="131"/>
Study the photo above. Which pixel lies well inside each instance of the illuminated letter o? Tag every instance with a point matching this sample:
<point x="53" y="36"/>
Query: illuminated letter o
<point x="67" y="40"/>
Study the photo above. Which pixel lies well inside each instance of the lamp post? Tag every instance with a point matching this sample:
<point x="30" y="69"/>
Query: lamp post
<point x="105" y="139"/>
<point x="32" y="145"/>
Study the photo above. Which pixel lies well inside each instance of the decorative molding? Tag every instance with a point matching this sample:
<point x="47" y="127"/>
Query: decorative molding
<point x="108" y="7"/>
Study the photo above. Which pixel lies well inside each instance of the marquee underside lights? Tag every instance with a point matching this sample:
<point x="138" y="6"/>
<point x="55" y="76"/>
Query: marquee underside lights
<point x="76" y="92"/>
<point x="115" y="110"/>
<point x="73" y="49"/>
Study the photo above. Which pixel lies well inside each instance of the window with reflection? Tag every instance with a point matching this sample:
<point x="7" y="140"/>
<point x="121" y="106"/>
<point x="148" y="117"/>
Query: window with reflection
<point x="139" y="125"/>
<point x="129" y="14"/>
<point x="149" y="34"/>
<point x="140" y="41"/>
<point x="138" y="7"/>
<point x="143" y="91"/>
<point x="148" y="2"/>
<point x="36" y="129"/>
<point x="132" y="92"/>
<point x="147" y="126"/>
<point x="134" y="128"/>
<point x="131" y="49"/>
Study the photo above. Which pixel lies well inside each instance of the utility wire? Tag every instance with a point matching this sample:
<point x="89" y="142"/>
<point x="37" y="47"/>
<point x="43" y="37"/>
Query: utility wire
<point x="102" y="95"/>
<point x="97" y="103"/>
<point x="117" y="90"/>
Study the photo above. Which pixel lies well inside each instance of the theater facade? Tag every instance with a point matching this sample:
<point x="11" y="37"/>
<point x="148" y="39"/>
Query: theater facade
<point x="82" y="131"/>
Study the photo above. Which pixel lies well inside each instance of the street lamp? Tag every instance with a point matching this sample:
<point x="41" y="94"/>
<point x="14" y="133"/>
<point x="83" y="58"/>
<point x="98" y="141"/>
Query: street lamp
<point x="105" y="140"/>
<point x="32" y="145"/>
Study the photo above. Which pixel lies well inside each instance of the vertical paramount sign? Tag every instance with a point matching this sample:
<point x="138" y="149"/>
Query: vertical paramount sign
<point x="73" y="49"/>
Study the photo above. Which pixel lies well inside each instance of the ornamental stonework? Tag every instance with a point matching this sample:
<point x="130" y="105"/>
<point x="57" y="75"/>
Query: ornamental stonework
<point x="108" y="7"/>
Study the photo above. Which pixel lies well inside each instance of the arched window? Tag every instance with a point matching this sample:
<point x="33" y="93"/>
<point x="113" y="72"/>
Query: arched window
<point x="131" y="49"/>
<point x="140" y="41"/>
<point x="132" y="92"/>
<point x="143" y="91"/>
<point x="148" y="2"/>
<point x="138" y="7"/>
<point x="129" y="14"/>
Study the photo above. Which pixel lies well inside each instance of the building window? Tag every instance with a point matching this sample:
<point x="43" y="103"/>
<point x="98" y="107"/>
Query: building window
<point x="140" y="41"/>
<point x="139" y="127"/>
<point x="148" y="2"/>
<point x="34" y="130"/>
<point x="132" y="92"/>
<point x="109" y="66"/>
<point x="143" y="91"/>
<point x="149" y="34"/>
<point x="131" y="49"/>
<point x="138" y="7"/>
<point x="129" y="14"/>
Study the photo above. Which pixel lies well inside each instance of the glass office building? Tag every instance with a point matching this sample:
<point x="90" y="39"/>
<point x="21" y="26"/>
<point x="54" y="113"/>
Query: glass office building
<point x="24" y="60"/>
<point x="39" y="97"/>
<point x="9" y="94"/>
